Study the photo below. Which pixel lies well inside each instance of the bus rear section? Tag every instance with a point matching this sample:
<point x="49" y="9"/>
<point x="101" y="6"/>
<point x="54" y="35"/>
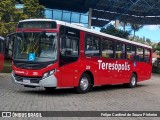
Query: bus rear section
<point x="1" y="53"/>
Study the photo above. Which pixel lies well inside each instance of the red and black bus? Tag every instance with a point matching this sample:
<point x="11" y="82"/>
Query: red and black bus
<point x="55" y="54"/>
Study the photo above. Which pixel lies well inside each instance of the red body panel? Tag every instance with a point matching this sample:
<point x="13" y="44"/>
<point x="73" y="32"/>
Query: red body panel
<point x="1" y="61"/>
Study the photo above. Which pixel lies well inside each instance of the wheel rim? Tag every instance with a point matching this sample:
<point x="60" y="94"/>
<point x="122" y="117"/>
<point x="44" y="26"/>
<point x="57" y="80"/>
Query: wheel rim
<point x="84" y="83"/>
<point x="133" y="81"/>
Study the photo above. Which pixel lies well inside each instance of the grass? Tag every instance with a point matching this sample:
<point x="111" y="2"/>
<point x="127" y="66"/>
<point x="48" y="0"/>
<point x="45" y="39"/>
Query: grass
<point x="7" y="66"/>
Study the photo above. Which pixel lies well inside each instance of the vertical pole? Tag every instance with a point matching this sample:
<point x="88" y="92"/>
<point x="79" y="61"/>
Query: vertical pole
<point x="52" y="14"/>
<point x="62" y="16"/>
<point x="117" y="24"/>
<point x="80" y="17"/>
<point x="90" y="18"/>
<point x="70" y="17"/>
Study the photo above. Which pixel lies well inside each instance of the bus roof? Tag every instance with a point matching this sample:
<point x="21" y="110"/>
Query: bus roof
<point x="90" y="31"/>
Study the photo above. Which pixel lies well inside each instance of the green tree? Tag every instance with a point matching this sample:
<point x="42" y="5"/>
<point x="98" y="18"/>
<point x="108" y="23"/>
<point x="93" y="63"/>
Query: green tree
<point x="154" y="47"/>
<point x="148" y="41"/>
<point x="135" y="27"/>
<point x="6" y="13"/>
<point x="33" y="9"/>
<point x="112" y="31"/>
<point x="10" y="15"/>
<point x="158" y="48"/>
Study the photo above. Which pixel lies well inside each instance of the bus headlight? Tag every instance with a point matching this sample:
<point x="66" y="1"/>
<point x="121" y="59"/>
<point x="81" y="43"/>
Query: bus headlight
<point x="47" y="74"/>
<point x="52" y="72"/>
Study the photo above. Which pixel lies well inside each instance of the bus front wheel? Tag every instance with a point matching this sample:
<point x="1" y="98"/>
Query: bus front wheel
<point x="84" y="84"/>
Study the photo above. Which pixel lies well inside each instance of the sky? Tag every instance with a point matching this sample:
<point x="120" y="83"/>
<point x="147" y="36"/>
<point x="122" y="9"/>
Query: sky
<point x="150" y="31"/>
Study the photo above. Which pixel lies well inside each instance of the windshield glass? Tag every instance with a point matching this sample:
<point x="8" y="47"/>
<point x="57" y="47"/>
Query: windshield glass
<point x="31" y="46"/>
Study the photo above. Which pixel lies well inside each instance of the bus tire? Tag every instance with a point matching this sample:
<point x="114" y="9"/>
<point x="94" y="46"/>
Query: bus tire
<point x="133" y="81"/>
<point x="49" y="89"/>
<point x="84" y="84"/>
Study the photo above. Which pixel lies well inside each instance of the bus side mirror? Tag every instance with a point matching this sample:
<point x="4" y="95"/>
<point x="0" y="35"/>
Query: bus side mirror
<point x="7" y="41"/>
<point x="9" y="38"/>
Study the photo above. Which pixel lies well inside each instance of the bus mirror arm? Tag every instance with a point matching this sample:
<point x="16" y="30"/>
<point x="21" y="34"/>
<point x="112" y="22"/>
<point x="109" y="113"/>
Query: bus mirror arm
<point x="7" y="41"/>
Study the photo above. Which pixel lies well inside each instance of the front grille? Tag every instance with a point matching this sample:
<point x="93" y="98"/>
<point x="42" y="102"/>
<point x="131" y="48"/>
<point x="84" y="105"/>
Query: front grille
<point x="29" y="66"/>
<point x="32" y="80"/>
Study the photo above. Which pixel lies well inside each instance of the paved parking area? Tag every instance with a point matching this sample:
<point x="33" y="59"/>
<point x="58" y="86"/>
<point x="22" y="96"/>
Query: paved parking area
<point x="145" y="97"/>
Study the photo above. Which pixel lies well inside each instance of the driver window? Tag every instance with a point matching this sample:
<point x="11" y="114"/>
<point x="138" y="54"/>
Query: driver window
<point x="69" y="45"/>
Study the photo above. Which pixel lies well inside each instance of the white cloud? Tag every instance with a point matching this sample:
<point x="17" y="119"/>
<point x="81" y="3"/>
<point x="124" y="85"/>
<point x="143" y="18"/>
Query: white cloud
<point x="152" y="27"/>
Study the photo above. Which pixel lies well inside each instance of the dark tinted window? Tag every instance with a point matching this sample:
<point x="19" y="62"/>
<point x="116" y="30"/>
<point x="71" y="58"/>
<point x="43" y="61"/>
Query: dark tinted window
<point x="69" y="46"/>
<point x="131" y="52"/>
<point x="69" y="32"/>
<point x="92" y="45"/>
<point x="120" y="50"/>
<point x="38" y="24"/>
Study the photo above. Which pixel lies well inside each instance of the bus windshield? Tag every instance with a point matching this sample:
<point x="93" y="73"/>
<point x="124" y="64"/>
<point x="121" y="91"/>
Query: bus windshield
<point x="34" y="46"/>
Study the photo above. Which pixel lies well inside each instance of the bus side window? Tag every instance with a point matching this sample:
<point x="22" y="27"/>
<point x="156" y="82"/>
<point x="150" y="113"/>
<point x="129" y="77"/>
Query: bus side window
<point x="120" y="50"/>
<point x="140" y="54"/>
<point x="147" y="55"/>
<point x="131" y="52"/>
<point x="107" y="48"/>
<point x="92" y="45"/>
<point x="69" y="46"/>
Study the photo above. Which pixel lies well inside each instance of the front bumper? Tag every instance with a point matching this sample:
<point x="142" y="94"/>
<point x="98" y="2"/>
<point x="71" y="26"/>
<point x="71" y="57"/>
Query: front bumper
<point x="50" y="81"/>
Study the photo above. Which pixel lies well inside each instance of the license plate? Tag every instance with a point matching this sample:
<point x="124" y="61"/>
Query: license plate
<point x="26" y="80"/>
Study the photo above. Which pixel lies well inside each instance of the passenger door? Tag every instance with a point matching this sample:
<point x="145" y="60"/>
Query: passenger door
<point x="69" y="54"/>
